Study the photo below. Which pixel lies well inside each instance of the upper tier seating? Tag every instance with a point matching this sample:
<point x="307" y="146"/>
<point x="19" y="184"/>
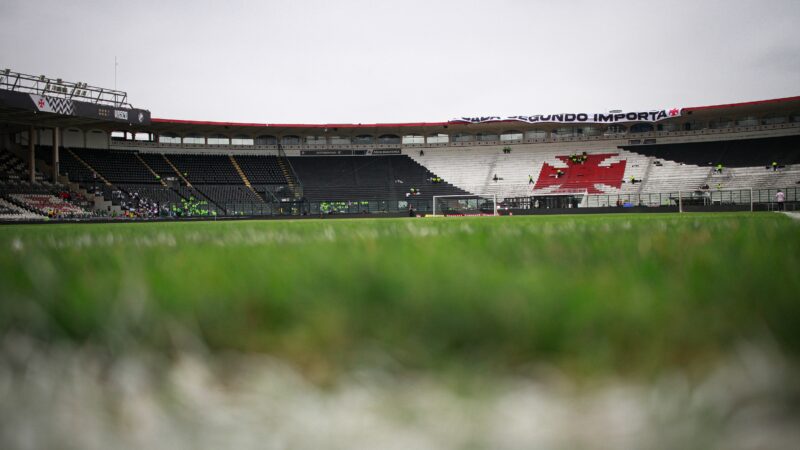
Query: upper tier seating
<point x="261" y="169"/>
<point x="159" y="165"/>
<point x="206" y="169"/>
<point x="75" y="170"/>
<point x="117" y="166"/>
<point x="737" y="153"/>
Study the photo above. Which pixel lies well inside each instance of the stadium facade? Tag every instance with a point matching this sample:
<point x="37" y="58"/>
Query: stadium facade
<point x="73" y="150"/>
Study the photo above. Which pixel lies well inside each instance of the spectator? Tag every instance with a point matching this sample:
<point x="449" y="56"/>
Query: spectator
<point x="779" y="199"/>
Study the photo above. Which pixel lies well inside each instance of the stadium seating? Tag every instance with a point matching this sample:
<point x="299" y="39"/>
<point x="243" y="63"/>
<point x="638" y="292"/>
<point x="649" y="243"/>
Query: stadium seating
<point x="221" y="180"/>
<point x="261" y="170"/>
<point x="117" y="166"/>
<point x="152" y="192"/>
<point x="359" y="178"/>
<point x="159" y="165"/>
<point x="734" y="153"/>
<point x="223" y="194"/>
<point x="50" y="205"/>
<point x="206" y="169"/>
<point x="474" y="168"/>
<point x="10" y="211"/>
<point x="14" y="182"/>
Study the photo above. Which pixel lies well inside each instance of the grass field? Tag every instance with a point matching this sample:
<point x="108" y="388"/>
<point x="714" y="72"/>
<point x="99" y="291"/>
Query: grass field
<point x="634" y="331"/>
<point x="621" y="294"/>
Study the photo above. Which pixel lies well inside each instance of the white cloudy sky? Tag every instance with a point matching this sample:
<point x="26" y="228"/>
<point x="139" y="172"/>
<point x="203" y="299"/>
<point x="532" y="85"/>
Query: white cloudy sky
<point x="364" y="61"/>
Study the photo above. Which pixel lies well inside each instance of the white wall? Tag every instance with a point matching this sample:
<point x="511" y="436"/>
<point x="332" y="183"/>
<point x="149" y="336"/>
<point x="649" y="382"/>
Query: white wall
<point x="72" y="138"/>
<point x="97" y="139"/>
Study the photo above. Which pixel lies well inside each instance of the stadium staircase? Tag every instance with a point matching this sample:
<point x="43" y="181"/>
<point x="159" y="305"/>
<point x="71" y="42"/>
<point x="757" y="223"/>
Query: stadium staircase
<point x="245" y="180"/>
<point x="646" y="174"/>
<point x="291" y="180"/>
<point x="177" y="172"/>
<point x="85" y="164"/>
<point x="150" y="169"/>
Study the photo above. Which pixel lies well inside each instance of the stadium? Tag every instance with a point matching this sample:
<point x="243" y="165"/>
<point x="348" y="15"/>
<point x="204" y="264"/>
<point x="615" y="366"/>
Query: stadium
<point x="278" y="229"/>
<point x="65" y="140"/>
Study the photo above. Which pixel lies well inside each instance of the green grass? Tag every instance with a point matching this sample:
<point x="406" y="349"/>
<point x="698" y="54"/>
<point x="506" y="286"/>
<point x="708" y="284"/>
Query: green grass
<point x="617" y="294"/>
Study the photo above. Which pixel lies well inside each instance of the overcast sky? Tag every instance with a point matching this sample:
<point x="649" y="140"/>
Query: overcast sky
<point x="354" y="61"/>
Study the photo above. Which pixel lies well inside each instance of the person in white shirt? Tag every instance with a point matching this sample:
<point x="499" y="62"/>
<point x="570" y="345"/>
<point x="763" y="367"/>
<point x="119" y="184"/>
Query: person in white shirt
<point x="779" y="199"/>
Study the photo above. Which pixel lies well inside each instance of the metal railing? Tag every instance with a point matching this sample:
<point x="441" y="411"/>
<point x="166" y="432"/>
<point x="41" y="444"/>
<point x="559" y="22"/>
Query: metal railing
<point x="710" y="200"/>
<point x="56" y="87"/>
<point x="627" y="135"/>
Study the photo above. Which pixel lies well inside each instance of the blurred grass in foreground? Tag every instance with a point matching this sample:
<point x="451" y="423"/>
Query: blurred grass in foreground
<point x="591" y="295"/>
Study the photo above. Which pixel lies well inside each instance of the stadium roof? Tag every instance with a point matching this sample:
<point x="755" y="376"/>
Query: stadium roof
<point x="13" y="115"/>
<point x="177" y="125"/>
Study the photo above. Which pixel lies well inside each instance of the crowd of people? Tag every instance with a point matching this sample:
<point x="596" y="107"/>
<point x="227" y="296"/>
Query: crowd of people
<point x="413" y="192"/>
<point x="136" y="206"/>
<point x="579" y="158"/>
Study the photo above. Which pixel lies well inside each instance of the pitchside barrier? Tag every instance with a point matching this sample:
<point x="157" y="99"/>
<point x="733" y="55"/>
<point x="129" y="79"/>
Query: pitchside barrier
<point x="490" y="204"/>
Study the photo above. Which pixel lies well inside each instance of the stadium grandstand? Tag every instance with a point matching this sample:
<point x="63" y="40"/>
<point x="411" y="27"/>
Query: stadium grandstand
<point x="73" y="151"/>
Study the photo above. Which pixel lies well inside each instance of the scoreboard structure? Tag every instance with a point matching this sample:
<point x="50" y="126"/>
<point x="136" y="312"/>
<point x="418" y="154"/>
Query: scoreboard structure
<point x="54" y="96"/>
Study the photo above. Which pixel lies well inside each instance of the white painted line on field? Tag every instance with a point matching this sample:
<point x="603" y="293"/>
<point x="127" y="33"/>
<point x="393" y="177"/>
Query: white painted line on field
<point x="794" y="215"/>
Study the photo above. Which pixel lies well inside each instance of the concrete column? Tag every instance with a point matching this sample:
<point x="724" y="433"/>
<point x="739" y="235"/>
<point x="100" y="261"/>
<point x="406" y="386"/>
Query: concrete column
<point x="32" y="155"/>
<point x="56" y="145"/>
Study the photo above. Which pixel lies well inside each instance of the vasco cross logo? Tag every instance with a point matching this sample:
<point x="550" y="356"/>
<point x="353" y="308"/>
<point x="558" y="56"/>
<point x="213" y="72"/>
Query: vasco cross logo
<point x="584" y="175"/>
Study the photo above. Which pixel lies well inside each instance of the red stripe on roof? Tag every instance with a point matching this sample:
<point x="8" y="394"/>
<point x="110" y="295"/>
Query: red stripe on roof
<point x="421" y="124"/>
<point x="734" y="105"/>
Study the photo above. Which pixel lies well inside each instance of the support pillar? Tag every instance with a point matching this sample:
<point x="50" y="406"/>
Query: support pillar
<point x="32" y="155"/>
<point x="56" y="145"/>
